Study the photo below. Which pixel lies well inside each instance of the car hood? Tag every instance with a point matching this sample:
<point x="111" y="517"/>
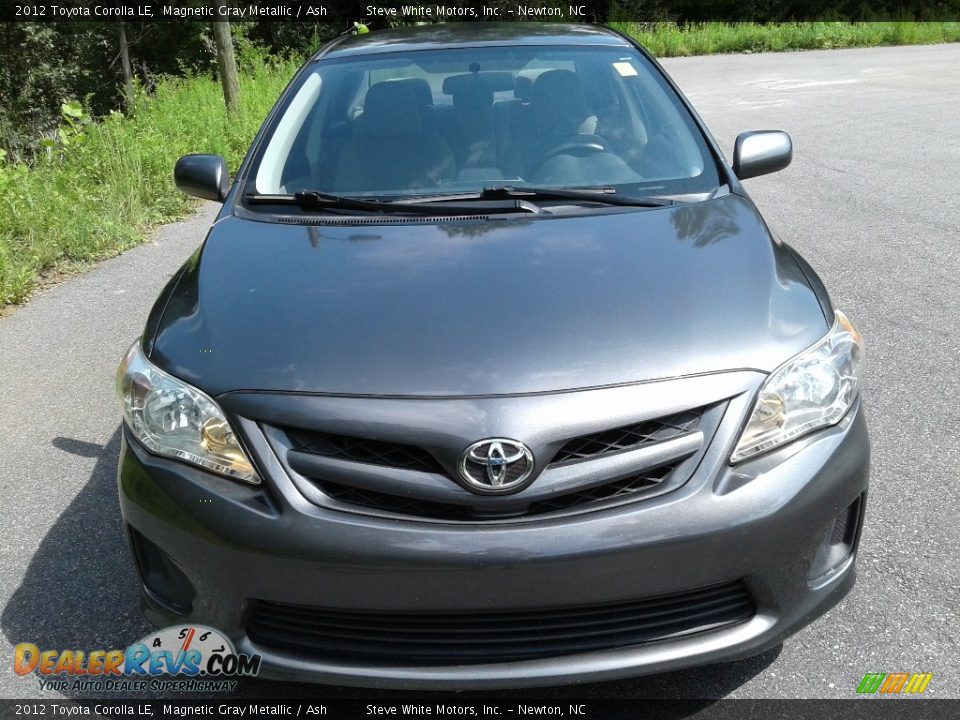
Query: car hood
<point x="486" y="307"/>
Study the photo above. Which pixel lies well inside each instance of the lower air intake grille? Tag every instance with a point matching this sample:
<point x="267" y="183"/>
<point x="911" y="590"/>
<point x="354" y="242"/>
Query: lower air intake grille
<point x="482" y="636"/>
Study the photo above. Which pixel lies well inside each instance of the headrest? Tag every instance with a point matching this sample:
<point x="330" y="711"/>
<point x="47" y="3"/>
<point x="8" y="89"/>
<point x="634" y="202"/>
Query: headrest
<point x="419" y="86"/>
<point x="557" y="85"/>
<point x="558" y="100"/>
<point x="523" y="88"/>
<point x="487" y="82"/>
<point x="392" y="108"/>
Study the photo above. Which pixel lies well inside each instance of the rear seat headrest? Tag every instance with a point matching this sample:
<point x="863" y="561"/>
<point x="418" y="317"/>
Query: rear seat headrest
<point x="523" y="88"/>
<point x="418" y="86"/>
<point x="391" y="109"/>
<point x="489" y="82"/>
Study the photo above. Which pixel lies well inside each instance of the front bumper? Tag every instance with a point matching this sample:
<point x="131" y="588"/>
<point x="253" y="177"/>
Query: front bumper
<point x="763" y="522"/>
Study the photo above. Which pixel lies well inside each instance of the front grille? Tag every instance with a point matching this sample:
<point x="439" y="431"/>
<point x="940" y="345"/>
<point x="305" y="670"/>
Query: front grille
<point x="602" y="493"/>
<point x="385" y="502"/>
<point x="376" y="452"/>
<point x="434" y="638"/>
<point x="628" y="437"/>
<point x="383" y="495"/>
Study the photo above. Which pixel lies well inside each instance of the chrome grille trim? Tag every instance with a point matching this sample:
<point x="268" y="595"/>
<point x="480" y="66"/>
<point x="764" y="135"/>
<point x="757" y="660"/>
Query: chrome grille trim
<point x="583" y="474"/>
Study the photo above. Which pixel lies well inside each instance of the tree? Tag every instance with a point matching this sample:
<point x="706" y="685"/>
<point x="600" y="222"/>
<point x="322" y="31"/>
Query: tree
<point x="127" y="71"/>
<point x="226" y="63"/>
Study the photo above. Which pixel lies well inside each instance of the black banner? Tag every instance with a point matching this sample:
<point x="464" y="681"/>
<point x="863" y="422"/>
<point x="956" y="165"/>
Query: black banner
<point x="380" y="12"/>
<point x="462" y="706"/>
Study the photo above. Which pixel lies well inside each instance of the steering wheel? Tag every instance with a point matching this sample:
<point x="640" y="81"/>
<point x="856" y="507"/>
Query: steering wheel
<point x="591" y="145"/>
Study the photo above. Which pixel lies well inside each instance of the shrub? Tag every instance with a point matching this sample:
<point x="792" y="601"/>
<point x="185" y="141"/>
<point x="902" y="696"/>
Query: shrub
<point x="97" y="186"/>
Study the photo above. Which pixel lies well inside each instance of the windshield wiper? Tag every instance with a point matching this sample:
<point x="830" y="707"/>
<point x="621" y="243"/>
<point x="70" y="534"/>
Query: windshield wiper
<point x="604" y="195"/>
<point x="314" y="200"/>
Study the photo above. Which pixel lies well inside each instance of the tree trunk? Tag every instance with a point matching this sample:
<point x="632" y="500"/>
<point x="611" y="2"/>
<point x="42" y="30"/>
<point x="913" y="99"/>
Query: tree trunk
<point x="127" y="70"/>
<point x="225" y="60"/>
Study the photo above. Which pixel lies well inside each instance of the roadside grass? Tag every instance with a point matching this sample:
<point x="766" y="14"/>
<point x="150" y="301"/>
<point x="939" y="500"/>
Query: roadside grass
<point x="95" y="189"/>
<point x="673" y="40"/>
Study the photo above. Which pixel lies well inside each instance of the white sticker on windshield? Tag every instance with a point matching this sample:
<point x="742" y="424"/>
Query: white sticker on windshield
<point x="625" y="68"/>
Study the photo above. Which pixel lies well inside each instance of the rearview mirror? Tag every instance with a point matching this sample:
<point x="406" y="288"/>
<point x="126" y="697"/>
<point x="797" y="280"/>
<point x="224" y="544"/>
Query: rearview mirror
<point x="203" y="176"/>
<point x="760" y="152"/>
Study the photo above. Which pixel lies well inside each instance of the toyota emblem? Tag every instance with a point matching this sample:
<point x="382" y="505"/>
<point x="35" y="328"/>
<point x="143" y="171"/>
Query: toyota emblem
<point x="496" y="465"/>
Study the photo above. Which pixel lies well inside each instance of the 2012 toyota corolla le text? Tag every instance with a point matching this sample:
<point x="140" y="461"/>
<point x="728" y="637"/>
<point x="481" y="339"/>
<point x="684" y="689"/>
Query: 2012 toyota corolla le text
<point x="489" y="373"/>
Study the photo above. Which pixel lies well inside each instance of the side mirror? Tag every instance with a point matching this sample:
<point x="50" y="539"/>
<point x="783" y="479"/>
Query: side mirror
<point x="203" y="176"/>
<point x="761" y="152"/>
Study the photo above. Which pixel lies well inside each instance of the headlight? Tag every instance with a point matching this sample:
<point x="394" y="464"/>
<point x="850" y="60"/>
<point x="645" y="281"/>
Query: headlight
<point x="810" y="391"/>
<point x="174" y="419"/>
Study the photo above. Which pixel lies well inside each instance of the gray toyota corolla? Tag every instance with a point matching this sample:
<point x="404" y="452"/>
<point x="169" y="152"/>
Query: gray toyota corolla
<point x="489" y="373"/>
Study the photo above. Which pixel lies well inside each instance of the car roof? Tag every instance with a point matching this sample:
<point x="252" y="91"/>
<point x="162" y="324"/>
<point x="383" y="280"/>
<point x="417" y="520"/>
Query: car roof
<point x="481" y="34"/>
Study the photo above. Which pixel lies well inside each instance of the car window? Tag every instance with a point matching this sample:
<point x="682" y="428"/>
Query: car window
<point x="457" y="120"/>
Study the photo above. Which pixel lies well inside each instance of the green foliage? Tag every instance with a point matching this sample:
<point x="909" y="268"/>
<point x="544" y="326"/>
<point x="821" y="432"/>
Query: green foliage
<point x="97" y="186"/>
<point x="671" y="40"/>
<point x="43" y="64"/>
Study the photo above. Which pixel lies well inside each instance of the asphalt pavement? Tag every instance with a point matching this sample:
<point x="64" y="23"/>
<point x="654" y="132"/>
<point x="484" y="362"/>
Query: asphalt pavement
<point x="870" y="201"/>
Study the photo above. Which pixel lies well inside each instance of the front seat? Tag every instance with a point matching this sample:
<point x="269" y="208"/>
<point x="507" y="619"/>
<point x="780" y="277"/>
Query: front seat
<point x="392" y="148"/>
<point x="558" y="115"/>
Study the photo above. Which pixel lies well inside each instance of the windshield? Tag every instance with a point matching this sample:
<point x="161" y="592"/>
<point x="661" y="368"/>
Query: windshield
<point x="435" y="122"/>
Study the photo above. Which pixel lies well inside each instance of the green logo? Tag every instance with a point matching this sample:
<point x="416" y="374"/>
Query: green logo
<point x="894" y="683"/>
